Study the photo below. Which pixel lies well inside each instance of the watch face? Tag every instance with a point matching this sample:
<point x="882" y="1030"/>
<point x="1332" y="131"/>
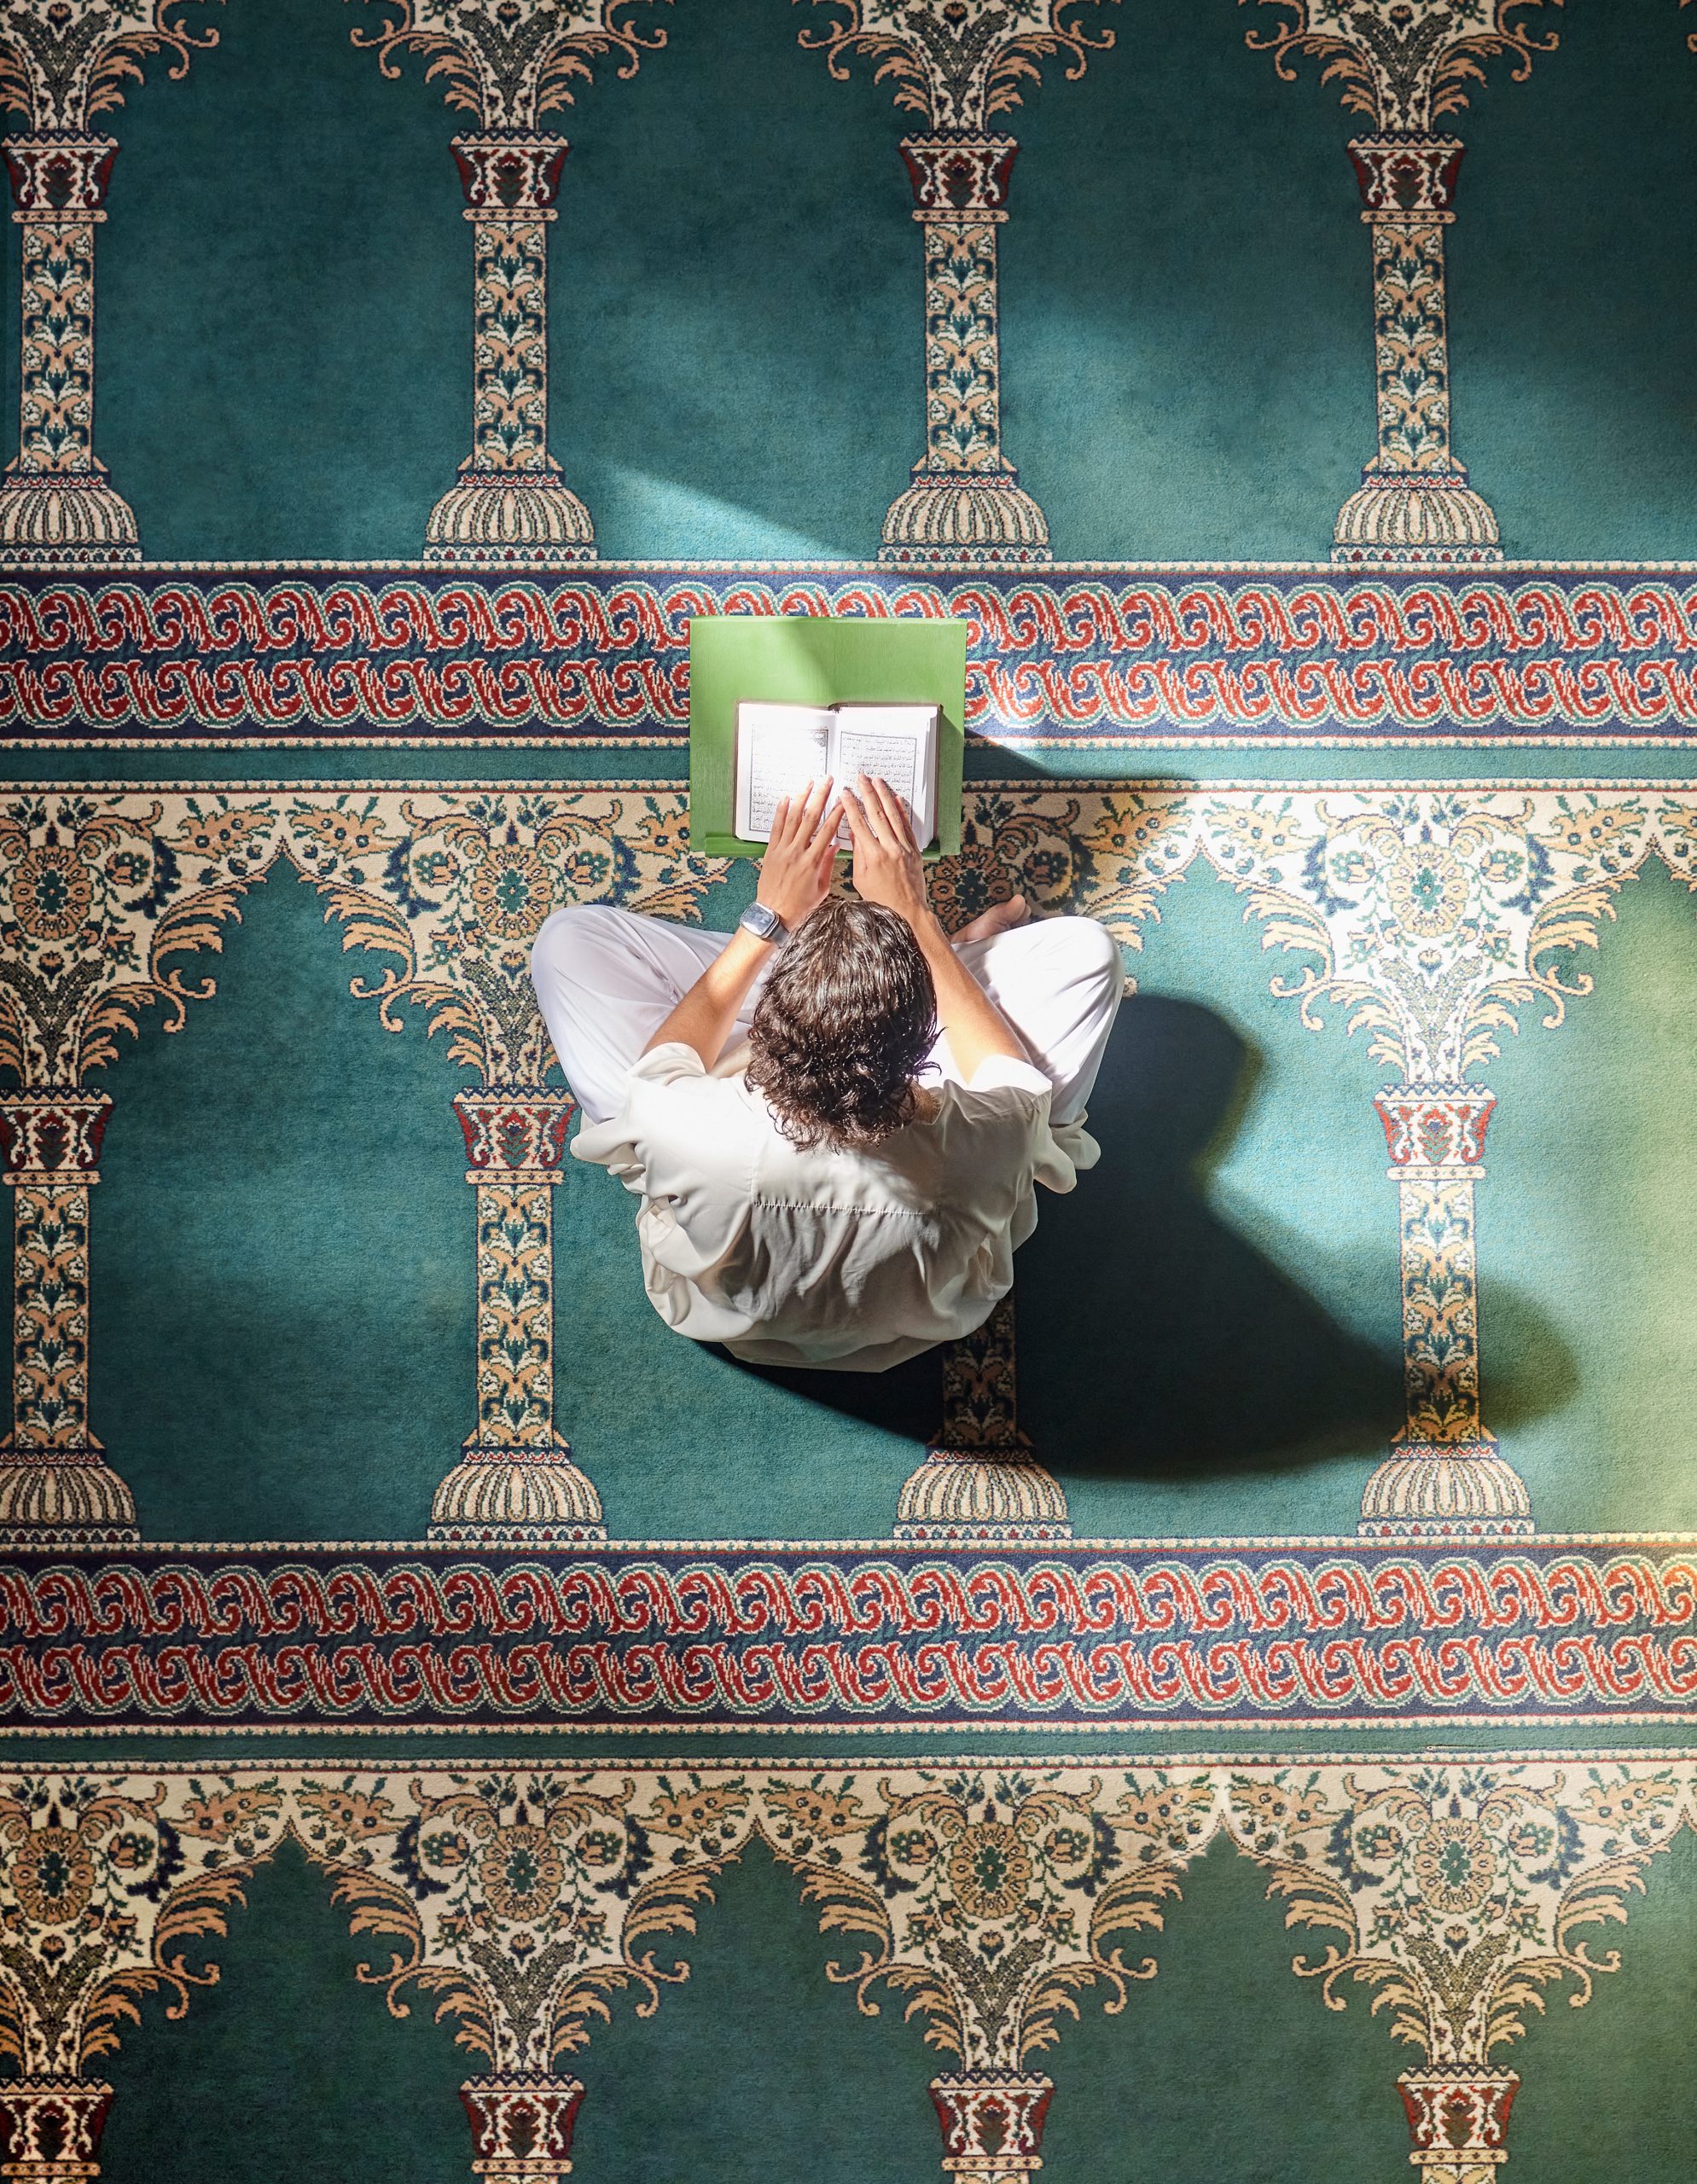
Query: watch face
<point x="760" y="919"/>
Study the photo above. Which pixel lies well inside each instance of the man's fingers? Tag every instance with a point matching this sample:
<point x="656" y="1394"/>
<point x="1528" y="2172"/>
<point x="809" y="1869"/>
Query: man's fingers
<point x="872" y="811"/>
<point x="780" y="823"/>
<point x="801" y="810"/>
<point x="819" y="799"/>
<point x="895" y="812"/>
<point x="826" y="824"/>
<point x="890" y="812"/>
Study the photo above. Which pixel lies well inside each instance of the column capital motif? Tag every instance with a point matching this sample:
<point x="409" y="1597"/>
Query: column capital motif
<point x="515" y="1136"/>
<point x="1435" y="1128"/>
<point x="1405" y="63"/>
<point x="954" y="175"/>
<point x="521" y="2125"/>
<point x="1459" y="2125"/>
<point x="1400" y="177"/>
<point x="50" y="2129"/>
<point x="510" y="176"/>
<point x="48" y="1136"/>
<point x="55" y="175"/>
<point x="992" y="2124"/>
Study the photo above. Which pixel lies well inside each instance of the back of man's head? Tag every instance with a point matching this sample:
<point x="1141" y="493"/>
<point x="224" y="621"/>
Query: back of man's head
<point x="848" y="1014"/>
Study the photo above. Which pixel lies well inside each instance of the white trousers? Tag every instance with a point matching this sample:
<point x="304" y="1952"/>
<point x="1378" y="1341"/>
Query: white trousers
<point x="607" y="980"/>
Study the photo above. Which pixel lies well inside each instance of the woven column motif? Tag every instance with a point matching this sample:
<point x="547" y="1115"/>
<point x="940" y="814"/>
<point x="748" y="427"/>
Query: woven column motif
<point x="59" y="189"/>
<point x="61" y="63"/>
<point x="508" y="66"/>
<point x="959" y="63"/>
<point x="1404" y="64"/>
<point x="1407" y="190"/>
<point x="510" y="490"/>
<point x="515" y="1480"/>
<point x="1443" y="1478"/>
<point x="510" y="184"/>
<point x="55" y="1489"/>
<point x="964" y="495"/>
<point x="979" y="1479"/>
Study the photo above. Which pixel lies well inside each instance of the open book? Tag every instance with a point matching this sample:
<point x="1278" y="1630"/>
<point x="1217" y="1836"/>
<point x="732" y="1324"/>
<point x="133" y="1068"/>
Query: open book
<point x="781" y="748"/>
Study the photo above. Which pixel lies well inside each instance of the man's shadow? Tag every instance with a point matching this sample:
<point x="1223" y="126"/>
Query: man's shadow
<point x="1153" y="1339"/>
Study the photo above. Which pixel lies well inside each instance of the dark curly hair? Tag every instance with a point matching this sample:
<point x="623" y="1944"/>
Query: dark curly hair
<point x="848" y="1014"/>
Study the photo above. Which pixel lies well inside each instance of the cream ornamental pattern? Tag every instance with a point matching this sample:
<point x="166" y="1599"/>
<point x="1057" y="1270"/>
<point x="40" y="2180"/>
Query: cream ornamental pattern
<point x="107" y="897"/>
<point x="63" y="62"/>
<point x="957" y="67"/>
<point x="1432" y="919"/>
<point x="508" y="65"/>
<point x="1405" y="64"/>
<point x="989" y="1900"/>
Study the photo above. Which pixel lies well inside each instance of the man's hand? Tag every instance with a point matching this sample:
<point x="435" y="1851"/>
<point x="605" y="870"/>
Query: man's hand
<point x="795" y="872"/>
<point x="887" y="867"/>
<point x="795" y="876"/>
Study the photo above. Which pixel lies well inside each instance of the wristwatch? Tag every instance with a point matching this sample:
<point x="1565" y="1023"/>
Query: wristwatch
<point x="757" y="918"/>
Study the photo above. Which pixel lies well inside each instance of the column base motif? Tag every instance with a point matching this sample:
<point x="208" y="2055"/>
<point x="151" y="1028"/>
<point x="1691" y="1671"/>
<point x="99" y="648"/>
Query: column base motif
<point x="65" y="519"/>
<point x="508" y="1497"/>
<point x="492" y="517"/>
<point x="960" y="1495"/>
<point x="984" y="518"/>
<point x="1417" y="518"/>
<point x="63" y="1497"/>
<point x="979" y="1480"/>
<point x="1445" y="1490"/>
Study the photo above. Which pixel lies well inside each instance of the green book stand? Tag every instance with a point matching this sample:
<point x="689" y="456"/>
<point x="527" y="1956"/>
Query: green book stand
<point x="809" y="660"/>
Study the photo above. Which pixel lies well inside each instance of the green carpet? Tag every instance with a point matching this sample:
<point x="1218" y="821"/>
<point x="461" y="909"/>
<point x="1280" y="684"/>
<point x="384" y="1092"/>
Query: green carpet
<point x="1230" y="1719"/>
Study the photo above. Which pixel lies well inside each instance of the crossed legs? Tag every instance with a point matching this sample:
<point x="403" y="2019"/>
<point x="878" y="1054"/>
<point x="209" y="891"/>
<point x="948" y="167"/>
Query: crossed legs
<point x="607" y="979"/>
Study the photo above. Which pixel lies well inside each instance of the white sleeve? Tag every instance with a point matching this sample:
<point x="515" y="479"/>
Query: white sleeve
<point x="1008" y="1094"/>
<point x="997" y="1072"/>
<point x="661" y="1064"/>
<point x="634" y="1144"/>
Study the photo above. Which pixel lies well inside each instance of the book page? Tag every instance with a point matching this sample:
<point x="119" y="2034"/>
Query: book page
<point x="780" y="750"/>
<point x="897" y="744"/>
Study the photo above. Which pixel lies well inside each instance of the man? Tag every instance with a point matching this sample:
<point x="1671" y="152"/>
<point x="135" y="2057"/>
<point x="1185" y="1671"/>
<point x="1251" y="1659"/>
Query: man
<point x="806" y="1198"/>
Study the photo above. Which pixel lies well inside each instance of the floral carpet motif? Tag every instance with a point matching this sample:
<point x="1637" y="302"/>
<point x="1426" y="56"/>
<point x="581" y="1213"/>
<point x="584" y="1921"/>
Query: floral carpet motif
<point x="522" y="1893"/>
